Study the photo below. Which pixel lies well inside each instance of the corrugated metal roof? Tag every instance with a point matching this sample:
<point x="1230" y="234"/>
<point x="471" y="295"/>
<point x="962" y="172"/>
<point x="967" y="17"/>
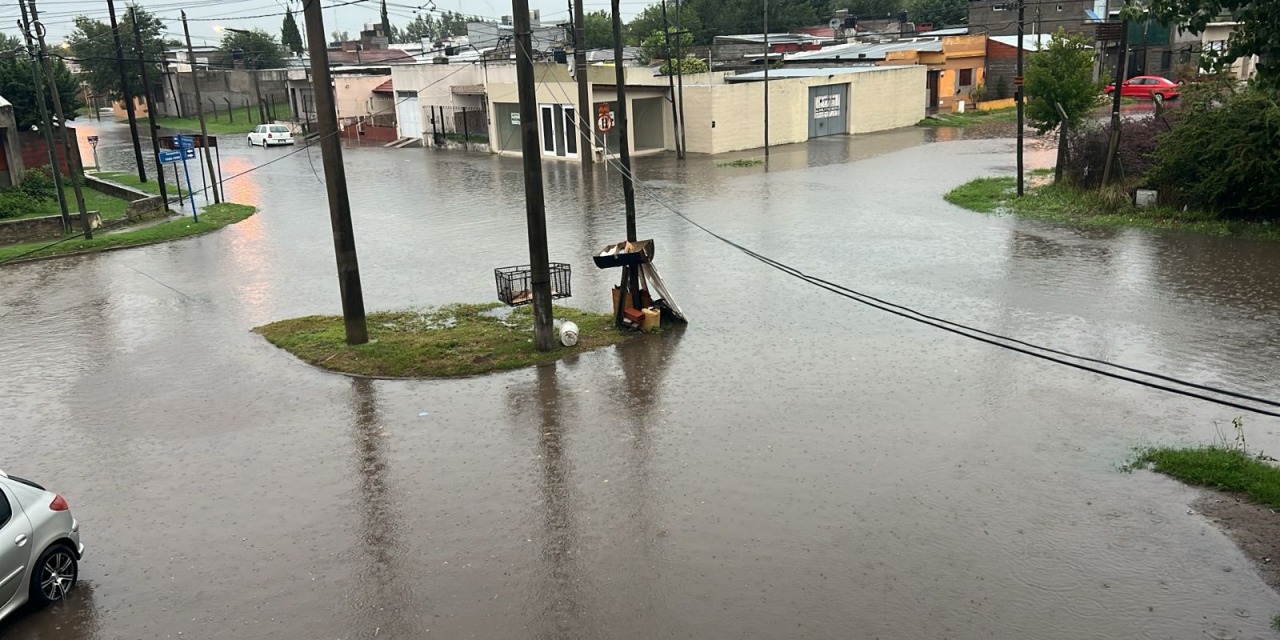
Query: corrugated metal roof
<point x="865" y="50"/>
<point x="809" y="72"/>
<point x="954" y="31"/>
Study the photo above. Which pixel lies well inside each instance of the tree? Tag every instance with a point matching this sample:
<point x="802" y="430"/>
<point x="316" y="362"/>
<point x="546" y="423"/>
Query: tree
<point x="598" y="30"/>
<point x="423" y="27"/>
<point x="290" y="37"/>
<point x="94" y="49"/>
<point x="687" y="64"/>
<point x="16" y="86"/>
<point x="1257" y="31"/>
<point x="659" y="45"/>
<point x="339" y="37"/>
<point x="940" y="13"/>
<point x="650" y="20"/>
<point x="875" y="8"/>
<point x="257" y="49"/>
<point x="386" y="23"/>
<point x="1061" y="73"/>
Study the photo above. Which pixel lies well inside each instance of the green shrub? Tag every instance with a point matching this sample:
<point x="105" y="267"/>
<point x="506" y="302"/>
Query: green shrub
<point x="684" y="65"/>
<point x="38" y="183"/>
<point x="1223" y="154"/>
<point x="15" y="202"/>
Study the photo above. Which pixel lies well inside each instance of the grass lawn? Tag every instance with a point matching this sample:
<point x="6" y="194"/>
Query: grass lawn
<point x="131" y="180"/>
<point x="110" y="208"/>
<point x="1219" y="467"/>
<point x="238" y="120"/>
<point x="215" y="216"/>
<point x="1063" y="204"/>
<point x="456" y="340"/>
<point x="969" y="118"/>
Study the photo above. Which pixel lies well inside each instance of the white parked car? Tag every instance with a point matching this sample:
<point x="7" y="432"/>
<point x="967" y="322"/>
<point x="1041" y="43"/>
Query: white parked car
<point x="269" y="134"/>
<point x="39" y="545"/>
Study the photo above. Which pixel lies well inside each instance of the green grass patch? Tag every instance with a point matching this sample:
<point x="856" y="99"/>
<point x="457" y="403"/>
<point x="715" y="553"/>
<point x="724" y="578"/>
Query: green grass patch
<point x="214" y="217"/>
<point x="237" y="120"/>
<point x="969" y="118"/>
<point x="455" y="340"/>
<point x="741" y="162"/>
<point x="131" y="180"/>
<point x="1225" y="468"/>
<point x="110" y="208"/>
<point x="1275" y="622"/>
<point x="475" y="137"/>
<point x="1061" y="203"/>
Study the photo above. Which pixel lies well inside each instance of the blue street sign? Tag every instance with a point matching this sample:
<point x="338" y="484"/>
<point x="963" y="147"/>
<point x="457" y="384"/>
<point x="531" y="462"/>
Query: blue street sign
<point x="184" y="142"/>
<point x="188" y="153"/>
<point x="169" y="156"/>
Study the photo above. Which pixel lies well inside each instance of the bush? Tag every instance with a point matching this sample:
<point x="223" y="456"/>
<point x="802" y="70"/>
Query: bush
<point x="15" y="202"/>
<point x="978" y="93"/>
<point x="38" y="183"/>
<point x="684" y="65"/>
<point x="1224" y="153"/>
<point x="1087" y="149"/>
<point x="1002" y="88"/>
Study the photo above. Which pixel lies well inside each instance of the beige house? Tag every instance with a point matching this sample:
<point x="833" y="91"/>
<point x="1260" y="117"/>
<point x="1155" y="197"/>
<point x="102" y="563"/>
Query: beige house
<point x="722" y="112"/>
<point x="1214" y="37"/>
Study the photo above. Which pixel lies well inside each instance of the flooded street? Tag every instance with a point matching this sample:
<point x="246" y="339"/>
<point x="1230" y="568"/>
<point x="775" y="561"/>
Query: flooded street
<point x="791" y="464"/>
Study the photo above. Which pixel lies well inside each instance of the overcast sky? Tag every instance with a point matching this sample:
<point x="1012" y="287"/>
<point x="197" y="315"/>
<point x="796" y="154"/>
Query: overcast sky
<point x="57" y="15"/>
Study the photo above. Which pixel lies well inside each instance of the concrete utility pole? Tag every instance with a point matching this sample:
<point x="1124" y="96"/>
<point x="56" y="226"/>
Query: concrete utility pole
<point x="125" y="94"/>
<point x="204" y="131"/>
<point x="36" y="81"/>
<point x="624" y="137"/>
<point x="335" y="178"/>
<point x="73" y="159"/>
<point x="534" y="203"/>
<point x="586" y="122"/>
<point x="766" y="80"/>
<point x="671" y="78"/>
<point x="1122" y="61"/>
<point x="1022" y="99"/>
<point x="151" y="106"/>
<point x="684" y="144"/>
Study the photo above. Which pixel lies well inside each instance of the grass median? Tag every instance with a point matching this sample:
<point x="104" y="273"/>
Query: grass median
<point x="969" y="118"/>
<point x="1060" y="203"/>
<point x="455" y="340"/>
<point x="214" y="217"/>
<point x="224" y="121"/>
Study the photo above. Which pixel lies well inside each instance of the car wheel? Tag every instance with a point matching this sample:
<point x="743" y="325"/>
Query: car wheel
<point x="55" y="574"/>
<point x="249" y="140"/>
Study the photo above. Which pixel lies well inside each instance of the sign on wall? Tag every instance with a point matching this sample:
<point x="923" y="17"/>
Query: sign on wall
<point x="827" y="106"/>
<point x="515" y="117"/>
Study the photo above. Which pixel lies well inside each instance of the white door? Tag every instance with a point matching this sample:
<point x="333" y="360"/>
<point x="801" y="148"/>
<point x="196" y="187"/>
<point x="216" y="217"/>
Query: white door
<point x="15" y="547"/>
<point x="559" y="136"/>
<point x="407" y="120"/>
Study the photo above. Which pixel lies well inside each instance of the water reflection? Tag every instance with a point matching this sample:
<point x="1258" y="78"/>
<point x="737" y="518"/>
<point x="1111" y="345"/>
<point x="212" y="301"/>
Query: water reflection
<point x="381" y="594"/>
<point x="75" y="617"/>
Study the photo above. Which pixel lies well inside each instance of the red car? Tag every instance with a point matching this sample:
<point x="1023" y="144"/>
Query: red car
<point x="1154" y="88"/>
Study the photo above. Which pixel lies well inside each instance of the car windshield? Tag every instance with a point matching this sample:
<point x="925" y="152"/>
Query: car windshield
<point x="279" y="129"/>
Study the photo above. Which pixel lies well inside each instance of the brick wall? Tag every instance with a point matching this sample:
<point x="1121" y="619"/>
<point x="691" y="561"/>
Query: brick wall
<point x="36" y="154"/>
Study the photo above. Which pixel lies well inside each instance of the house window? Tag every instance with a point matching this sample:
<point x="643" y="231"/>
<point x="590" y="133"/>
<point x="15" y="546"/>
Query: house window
<point x="965" y="78"/>
<point x="1166" y="60"/>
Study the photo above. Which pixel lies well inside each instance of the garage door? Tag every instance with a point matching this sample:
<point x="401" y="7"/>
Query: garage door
<point x="828" y="109"/>
<point x="407" y="120"/>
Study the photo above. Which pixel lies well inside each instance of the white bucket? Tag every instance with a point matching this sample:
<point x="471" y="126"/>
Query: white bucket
<point x="569" y="334"/>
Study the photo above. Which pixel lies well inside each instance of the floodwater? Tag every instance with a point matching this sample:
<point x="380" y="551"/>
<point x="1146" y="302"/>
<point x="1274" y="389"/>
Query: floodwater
<point x="791" y="464"/>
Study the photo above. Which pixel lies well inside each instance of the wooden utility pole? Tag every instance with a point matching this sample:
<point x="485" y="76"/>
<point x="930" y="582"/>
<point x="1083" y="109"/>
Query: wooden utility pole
<point x="151" y="106"/>
<point x="671" y="79"/>
<point x="335" y="178"/>
<point x="586" y="123"/>
<point x="1021" y="95"/>
<point x="36" y="81"/>
<point x="204" y="130"/>
<point x="531" y="151"/>
<point x="125" y="94"/>
<point x="73" y="159"/>
<point x="624" y="134"/>
<point x="1122" y="62"/>
<point x="766" y="80"/>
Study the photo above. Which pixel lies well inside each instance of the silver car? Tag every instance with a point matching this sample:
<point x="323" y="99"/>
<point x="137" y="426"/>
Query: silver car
<point x="40" y="545"/>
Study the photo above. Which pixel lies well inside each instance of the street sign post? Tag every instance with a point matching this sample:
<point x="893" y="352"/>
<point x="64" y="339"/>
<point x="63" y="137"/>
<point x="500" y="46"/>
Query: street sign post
<point x="604" y="122"/>
<point x="185" y="152"/>
<point x="93" y="142"/>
